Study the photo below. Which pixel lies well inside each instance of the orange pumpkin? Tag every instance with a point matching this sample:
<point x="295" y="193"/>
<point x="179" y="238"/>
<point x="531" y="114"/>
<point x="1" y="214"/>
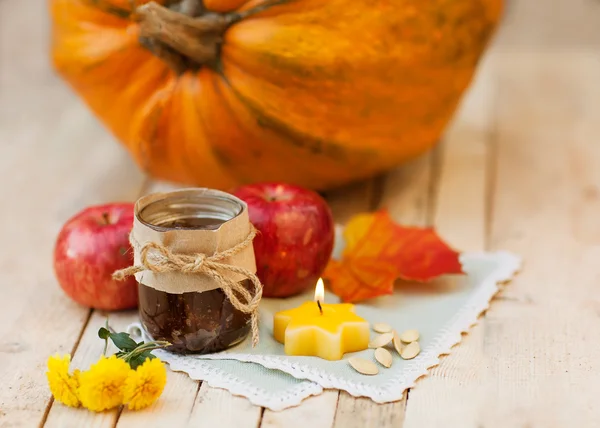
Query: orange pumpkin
<point x="314" y="92"/>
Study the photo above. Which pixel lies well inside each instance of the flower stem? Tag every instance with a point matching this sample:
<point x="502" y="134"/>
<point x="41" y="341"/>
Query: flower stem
<point x="148" y="346"/>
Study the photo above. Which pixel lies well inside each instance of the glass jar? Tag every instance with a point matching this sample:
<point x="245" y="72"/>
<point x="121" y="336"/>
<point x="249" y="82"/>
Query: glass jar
<point x="192" y="321"/>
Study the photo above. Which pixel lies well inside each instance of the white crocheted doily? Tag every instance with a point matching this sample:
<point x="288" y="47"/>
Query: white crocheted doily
<point x="269" y="378"/>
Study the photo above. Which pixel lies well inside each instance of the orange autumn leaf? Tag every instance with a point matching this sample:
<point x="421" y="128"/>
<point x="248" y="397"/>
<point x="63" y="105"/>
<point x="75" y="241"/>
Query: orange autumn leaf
<point x="379" y="251"/>
<point x="363" y="279"/>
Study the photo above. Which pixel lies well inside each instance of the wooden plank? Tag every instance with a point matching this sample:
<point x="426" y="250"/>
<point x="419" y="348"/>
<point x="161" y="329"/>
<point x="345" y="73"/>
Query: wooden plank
<point x="560" y="24"/>
<point x="55" y="159"/>
<point x="458" y="210"/>
<point x="362" y="412"/>
<point x="315" y="412"/>
<point x="540" y="347"/>
<point x="218" y="407"/>
<point x="351" y="199"/>
<point x="172" y="409"/>
<point x="36" y="304"/>
<point x="407" y="190"/>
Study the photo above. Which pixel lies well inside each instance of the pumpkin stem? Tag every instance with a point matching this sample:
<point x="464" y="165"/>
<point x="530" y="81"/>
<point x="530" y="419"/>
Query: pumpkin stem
<point x="191" y="7"/>
<point x="195" y="38"/>
<point x="188" y="35"/>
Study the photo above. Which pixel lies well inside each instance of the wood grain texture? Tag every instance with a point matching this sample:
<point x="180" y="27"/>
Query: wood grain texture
<point x="172" y="409"/>
<point x="540" y="342"/>
<point x="458" y="211"/>
<point x="216" y="407"/>
<point x="559" y="24"/>
<point x="406" y="191"/>
<point x="314" y="412"/>
<point x="38" y="319"/>
<point x="54" y="160"/>
<point x="363" y="413"/>
<point x="530" y="363"/>
<point x="351" y="199"/>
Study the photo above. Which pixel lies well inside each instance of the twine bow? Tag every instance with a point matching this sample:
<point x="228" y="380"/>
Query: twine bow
<point x="159" y="259"/>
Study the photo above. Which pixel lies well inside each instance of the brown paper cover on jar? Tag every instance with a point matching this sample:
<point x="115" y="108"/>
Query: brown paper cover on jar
<point x="192" y="242"/>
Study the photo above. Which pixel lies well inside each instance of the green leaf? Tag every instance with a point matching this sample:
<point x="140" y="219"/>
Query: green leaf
<point x="139" y="359"/>
<point x="103" y="333"/>
<point x="136" y="361"/>
<point x="148" y="355"/>
<point x="123" y="341"/>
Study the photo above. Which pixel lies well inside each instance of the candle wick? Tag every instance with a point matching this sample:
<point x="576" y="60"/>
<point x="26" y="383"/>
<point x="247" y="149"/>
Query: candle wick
<point x="320" y="308"/>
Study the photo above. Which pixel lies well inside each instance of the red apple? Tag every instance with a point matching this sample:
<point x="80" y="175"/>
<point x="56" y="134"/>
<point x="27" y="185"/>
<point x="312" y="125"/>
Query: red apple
<point x="295" y="239"/>
<point x="89" y="248"/>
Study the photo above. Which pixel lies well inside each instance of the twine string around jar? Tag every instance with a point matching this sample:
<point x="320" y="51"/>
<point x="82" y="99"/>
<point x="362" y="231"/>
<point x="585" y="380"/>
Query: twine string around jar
<point x="157" y="258"/>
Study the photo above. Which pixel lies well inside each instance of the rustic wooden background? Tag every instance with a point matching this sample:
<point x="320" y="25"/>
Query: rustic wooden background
<point x="519" y="169"/>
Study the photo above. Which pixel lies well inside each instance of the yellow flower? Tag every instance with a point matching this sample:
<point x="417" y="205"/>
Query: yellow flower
<point x="144" y="385"/>
<point x="63" y="385"/>
<point x="101" y="387"/>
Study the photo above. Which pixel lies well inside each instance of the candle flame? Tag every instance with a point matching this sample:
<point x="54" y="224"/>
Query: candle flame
<point x="320" y="291"/>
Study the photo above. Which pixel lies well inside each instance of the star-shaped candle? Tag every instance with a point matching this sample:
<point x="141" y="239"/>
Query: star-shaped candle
<point x="320" y="329"/>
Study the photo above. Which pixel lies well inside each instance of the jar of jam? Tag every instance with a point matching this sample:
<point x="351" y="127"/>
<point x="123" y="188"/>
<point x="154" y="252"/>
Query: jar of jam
<point x="190" y="309"/>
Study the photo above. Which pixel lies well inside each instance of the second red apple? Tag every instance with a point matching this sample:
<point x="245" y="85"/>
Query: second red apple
<point x="89" y="248"/>
<point x="296" y="236"/>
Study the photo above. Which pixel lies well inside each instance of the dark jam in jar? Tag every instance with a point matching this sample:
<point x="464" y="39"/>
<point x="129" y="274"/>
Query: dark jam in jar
<point x="194" y="322"/>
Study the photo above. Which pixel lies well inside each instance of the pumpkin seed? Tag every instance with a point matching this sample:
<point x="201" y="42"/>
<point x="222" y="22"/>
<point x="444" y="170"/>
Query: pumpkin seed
<point x="382" y="327"/>
<point x="381" y="340"/>
<point x="384" y="357"/>
<point x="409" y="336"/>
<point x="363" y="366"/>
<point x="410" y="351"/>
<point x="397" y="343"/>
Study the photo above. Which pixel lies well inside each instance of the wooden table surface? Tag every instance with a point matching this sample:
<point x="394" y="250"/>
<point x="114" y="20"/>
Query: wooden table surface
<point x="519" y="169"/>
